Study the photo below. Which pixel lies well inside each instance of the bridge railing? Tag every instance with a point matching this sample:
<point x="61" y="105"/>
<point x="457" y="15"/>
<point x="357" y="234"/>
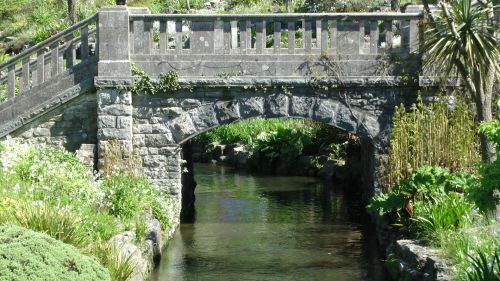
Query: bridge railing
<point x="333" y="33"/>
<point x="47" y="59"/>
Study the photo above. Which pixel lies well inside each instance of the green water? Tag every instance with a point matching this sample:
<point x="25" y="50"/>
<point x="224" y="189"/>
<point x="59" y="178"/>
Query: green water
<point x="269" y="228"/>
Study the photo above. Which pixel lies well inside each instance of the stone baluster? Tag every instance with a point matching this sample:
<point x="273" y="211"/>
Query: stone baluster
<point x="25" y="76"/>
<point x="234" y="34"/>
<point x="219" y="37"/>
<point x="178" y="36"/>
<point x="11" y="83"/>
<point x="277" y="36"/>
<point x="69" y="53"/>
<point x="54" y="59"/>
<point x="307" y="36"/>
<point x="388" y="35"/>
<point x="244" y="44"/>
<point x="318" y="34"/>
<point x="361" y="37"/>
<point x="324" y="36"/>
<point x="260" y="40"/>
<point x="374" y="42"/>
<point x="163" y="37"/>
<point x="84" y="49"/>
<point x="291" y="37"/>
<point x="334" y="36"/>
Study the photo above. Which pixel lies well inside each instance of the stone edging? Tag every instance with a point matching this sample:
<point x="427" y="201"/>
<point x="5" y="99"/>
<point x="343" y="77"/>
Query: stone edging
<point x="148" y="253"/>
<point x="407" y="260"/>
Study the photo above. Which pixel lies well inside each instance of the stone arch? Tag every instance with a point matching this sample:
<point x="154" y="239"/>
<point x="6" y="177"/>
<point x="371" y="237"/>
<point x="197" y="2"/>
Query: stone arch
<point x="162" y="124"/>
<point x="331" y="109"/>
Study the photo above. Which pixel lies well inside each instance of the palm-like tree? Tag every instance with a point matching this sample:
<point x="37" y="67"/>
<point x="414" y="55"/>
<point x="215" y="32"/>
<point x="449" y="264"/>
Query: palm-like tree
<point x="463" y="42"/>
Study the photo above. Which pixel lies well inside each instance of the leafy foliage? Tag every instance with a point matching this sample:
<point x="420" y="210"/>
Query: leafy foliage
<point x="168" y="82"/>
<point x="476" y="34"/>
<point x="386" y="203"/>
<point x="427" y="183"/>
<point x="285" y="144"/>
<point x="272" y="140"/>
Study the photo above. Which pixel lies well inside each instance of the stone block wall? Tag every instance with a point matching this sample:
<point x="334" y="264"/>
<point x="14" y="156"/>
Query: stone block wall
<point x="68" y="126"/>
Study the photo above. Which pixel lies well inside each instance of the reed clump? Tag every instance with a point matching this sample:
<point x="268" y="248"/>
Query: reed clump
<point x="438" y="133"/>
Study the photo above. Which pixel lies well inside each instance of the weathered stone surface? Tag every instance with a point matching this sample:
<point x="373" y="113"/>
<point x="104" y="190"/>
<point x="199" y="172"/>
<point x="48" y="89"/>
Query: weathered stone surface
<point x="407" y="260"/>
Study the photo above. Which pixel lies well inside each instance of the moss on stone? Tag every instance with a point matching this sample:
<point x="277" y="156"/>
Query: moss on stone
<point x="29" y="255"/>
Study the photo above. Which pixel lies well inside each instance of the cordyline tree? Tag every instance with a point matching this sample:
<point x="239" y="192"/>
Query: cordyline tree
<point x="463" y="41"/>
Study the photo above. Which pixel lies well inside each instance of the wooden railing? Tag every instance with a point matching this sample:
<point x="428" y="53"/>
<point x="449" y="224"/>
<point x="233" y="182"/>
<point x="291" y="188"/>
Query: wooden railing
<point x="47" y="59"/>
<point x="335" y="33"/>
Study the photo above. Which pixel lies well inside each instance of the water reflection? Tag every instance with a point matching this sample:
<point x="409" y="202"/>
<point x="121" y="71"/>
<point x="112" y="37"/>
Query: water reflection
<point x="269" y="228"/>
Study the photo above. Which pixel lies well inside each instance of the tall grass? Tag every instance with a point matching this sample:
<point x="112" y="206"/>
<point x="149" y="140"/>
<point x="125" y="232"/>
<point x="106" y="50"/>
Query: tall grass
<point x="120" y="267"/>
<point x="432" y="134"/>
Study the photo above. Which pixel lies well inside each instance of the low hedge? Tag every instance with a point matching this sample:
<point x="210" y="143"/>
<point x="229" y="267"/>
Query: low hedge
<point x="30" y="255"/>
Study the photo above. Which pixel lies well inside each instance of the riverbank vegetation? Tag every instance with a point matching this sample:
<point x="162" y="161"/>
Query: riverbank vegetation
<point x="280" y="141"/>
<point x="448" y="205"/>
<point x="48" y="190"/>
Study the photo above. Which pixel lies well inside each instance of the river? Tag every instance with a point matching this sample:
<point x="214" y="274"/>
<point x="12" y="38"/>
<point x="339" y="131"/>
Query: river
<point x="250" y="227"/>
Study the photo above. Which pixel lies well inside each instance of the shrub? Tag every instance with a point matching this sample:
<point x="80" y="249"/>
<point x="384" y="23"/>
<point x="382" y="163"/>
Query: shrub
<point x="426" y="183"/>
<point x="484" y="195"/>
<point x="122" y="195"/>
<point x="28" y="255"/>
<point x="386" y="203"/>
<point x="284" y="144"/>
<point x="128" y="196"/>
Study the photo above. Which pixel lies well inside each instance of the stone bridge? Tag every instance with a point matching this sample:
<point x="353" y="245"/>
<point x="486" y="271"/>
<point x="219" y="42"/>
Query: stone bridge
<point x="75" y="89"/>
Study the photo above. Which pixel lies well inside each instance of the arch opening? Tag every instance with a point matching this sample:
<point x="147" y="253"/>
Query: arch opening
<point x="326" y="152"/>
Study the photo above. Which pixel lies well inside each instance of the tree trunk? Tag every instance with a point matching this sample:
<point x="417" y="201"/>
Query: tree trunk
<point x="395" y="5"/>
<point x="188" y="6"/>
<point x="484" y="100"/>
<point x="71" y="11"/>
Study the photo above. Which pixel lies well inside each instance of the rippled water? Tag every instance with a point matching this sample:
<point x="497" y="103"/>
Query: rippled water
<point x="269" y="228"/>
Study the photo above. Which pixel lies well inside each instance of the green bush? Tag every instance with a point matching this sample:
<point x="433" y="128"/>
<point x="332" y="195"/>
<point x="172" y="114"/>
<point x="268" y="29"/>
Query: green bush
<point x="123" y="195"/>
<point x="129" y="196"/>
<point x="386" y="203"/>
<point x="28" y="255"/>
<point x="426" y="183"/>
<point x="284" y="144"/>
<point x="47" y="173"/>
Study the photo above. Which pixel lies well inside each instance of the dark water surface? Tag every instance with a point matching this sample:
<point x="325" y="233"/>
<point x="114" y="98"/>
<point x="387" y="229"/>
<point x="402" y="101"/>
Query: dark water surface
<point x="269" y="228"/>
